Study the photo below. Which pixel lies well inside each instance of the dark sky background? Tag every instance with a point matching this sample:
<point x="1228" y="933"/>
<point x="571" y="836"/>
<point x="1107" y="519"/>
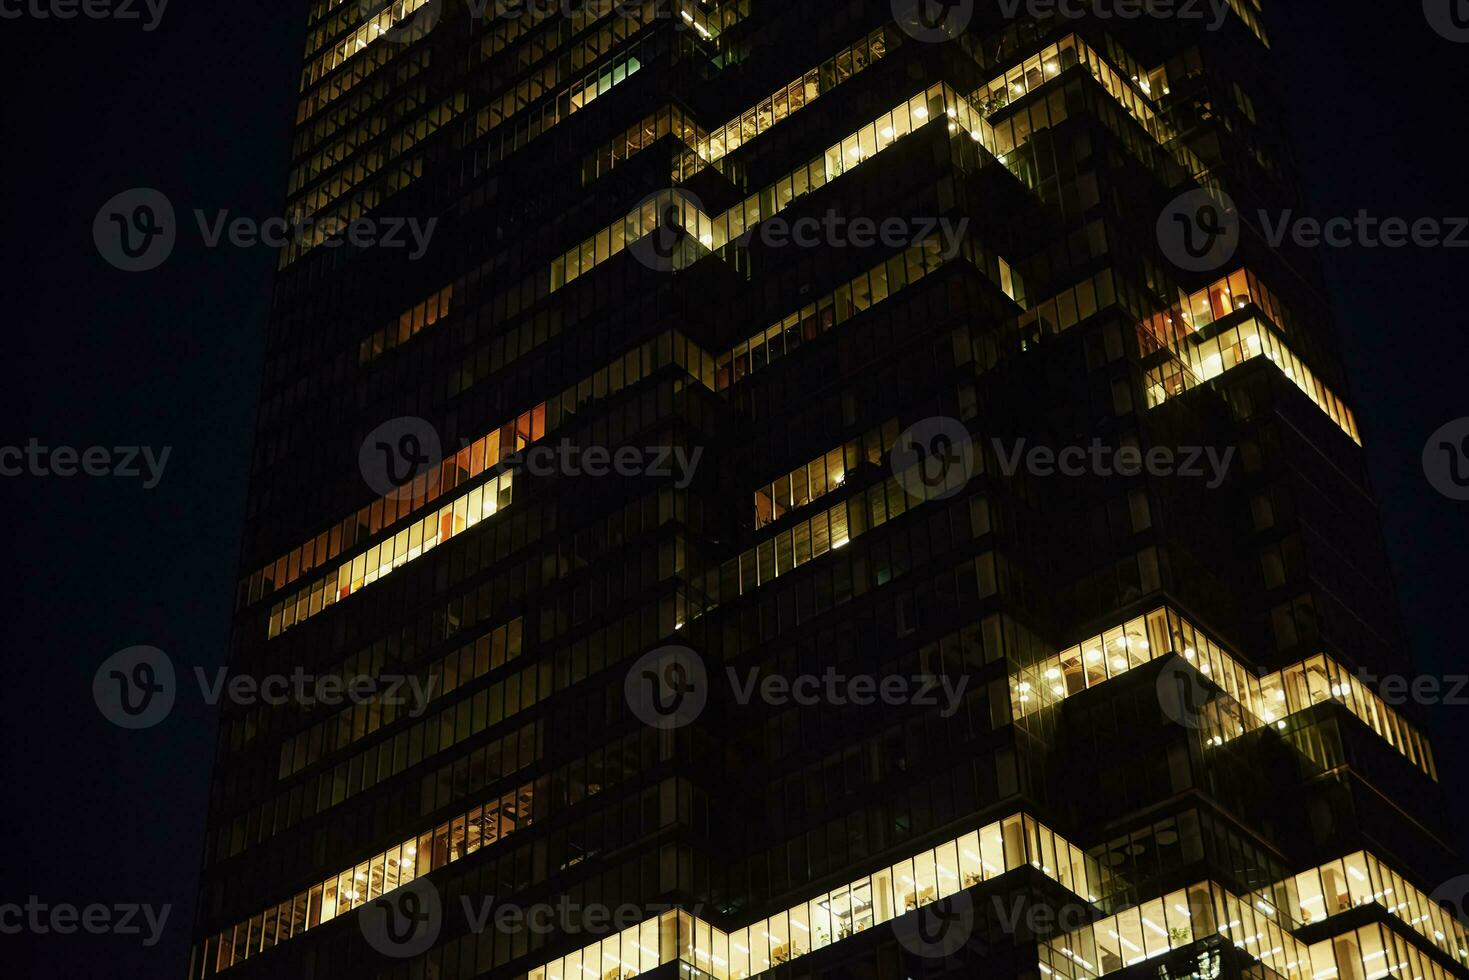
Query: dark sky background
<point x="200" y="109"/>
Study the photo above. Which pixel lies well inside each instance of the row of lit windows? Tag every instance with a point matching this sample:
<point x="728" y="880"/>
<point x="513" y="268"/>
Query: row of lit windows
<point x="861" y="293"/>
<point x="1200" y="362"/>
<point x="565" y="786"/>
<point x="368" y="566"/>
<point x="1178" y="919"/>
<point x="1265" y="700"/>
<point x="894" y="891"/>
<point x="369" y="88"/>
<point x="424" y="314"/>
<point x="1050" y="63"/>
<point x="380" y="874"/>
<point x="380" y="763"/>
<point x="323" y="28"/>
<point x="493" y="650"/>
<point x="715" y="232"/>
<point x="360" y="70"/>
<point x="455" y="517"/>
<point x="1035" y="71"/>
<point x="637" y="630"/>
<point x="1361" y="879"/>
<point x="1218" y="300"/>
<point x="483" y="455"/>
<point x="508" y="139"/>
<point x="704" y="148"/>
<point x="825" y="473"/>
<point x="791" y="98"/>
<point x="668" y="120"/>
<point x="1018" y="128"/>
<point x="528" y="90"/>
<point x="373" y="29"/>
<point x="408" y="135"/>
<point x="395" y="177"/>
<point x="574" y="97"/>
<point x="1171" y="922"/>
<point x="1321" y="679"/>
<point x="413" y="98"/>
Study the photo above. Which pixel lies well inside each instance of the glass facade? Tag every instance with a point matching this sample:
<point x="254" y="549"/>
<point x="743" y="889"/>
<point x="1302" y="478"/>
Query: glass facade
<point x="1258" y="701"/>
<point x="777" y="837"/>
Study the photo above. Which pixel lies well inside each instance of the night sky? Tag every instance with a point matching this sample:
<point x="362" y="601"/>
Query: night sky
<point x="200" y="109"/>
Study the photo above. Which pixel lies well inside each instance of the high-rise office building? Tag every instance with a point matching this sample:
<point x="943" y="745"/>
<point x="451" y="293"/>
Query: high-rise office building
<point x="819" y="489"/>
